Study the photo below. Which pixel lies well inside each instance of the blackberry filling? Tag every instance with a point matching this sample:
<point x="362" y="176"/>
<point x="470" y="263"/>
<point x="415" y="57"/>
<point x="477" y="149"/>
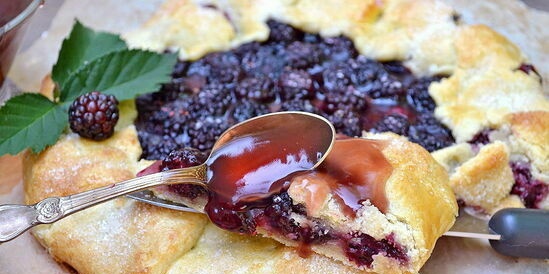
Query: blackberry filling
<point x="292" y="70"/>
<point x="481" y="138"/>
<point x="531" y="191"/>
<point x="353" y="172"/>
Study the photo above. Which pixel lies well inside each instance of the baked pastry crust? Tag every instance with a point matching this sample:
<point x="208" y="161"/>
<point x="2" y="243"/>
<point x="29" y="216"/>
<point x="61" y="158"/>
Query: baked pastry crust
<point x="422" y="33"/>
<point x="126" y="236"/>
<point x="421" y="207"/>
<point x="119" y="236"/>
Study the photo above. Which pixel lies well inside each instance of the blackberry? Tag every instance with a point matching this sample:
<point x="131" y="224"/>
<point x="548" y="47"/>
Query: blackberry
<point x="248" y="109"/>
<point x="337" y="76"/>
<point x="155" y="146"/>
<point x="182" y="158"/>
<point x="278" y="214"/>
<point x="268" y="61"/>
<point x="361" y="247"/>
<point x="224" y="67"/>
<point x="204" y="132"/>
<point x="396" y="123"/>
<point x="340" y="99"/>
<point x="298" y="105"/>
<point x="430" y="133"/>
<point x="295" y="84"/>
<point x="302" y="55"/>
<point x="418" y="95"/>
<point x="213" y="99"/>
<point x="280" y="32"/>
<point x="384" y="87"/>
<point x="338" y="48"/>
<point x="531" y="191"/>
<point x="292" y="70"/>
<point x="346" y="122"/>
<point x="93" y="115"/>
<point x="260" y="89"/>
<point x="481" y="138"/>
<point x="217" y="67"/>
<point x="365" y="70"/>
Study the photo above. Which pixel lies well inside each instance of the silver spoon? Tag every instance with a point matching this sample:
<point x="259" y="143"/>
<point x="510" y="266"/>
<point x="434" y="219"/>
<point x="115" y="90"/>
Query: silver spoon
<point x="16" y="219"/>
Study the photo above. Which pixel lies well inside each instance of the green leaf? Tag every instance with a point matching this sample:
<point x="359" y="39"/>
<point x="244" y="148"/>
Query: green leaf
<point x="30" y="120"/>
<point x="124" y="74"/>
<point x="81" y="47"/>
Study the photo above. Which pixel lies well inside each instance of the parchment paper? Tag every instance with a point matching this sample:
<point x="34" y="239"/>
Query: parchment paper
<point x="526" y="27"/>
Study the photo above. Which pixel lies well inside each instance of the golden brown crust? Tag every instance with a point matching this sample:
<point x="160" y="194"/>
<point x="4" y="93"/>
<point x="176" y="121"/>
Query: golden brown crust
<point x="483" y="178"/>
<point x="486" y="179"/>
<point x="119" y="236"/>
<point x="418" y="193"/>
<point x="531" y="134"/>
<point x="421" y="208"/>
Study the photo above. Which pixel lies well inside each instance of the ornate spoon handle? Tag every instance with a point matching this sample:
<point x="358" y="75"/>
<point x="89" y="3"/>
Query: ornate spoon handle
<point x="16" y="219"/>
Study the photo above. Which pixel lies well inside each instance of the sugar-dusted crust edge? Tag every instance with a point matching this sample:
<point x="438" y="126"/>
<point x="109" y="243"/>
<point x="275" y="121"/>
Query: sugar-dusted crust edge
<point x="119" y="236"/>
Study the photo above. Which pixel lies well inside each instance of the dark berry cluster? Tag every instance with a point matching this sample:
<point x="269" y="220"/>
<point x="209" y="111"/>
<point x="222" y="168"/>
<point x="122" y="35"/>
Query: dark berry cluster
<point x="292" y="70"/>
<point x="531" y="191"/>
<point x="182" y="158"/>
<point x="481" y="138"/>
<point x="360" y="248"/>
<point x="275" y="213"/>
<point x="278" y="215"/>
<point x="93" y="115"/>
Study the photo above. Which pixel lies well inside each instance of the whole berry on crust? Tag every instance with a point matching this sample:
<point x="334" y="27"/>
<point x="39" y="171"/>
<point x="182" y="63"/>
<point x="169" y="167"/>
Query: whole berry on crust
<point x="93" y="115"/>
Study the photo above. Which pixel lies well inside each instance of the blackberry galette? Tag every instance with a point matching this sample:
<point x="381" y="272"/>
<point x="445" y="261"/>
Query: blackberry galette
<point x="413" y="94"/>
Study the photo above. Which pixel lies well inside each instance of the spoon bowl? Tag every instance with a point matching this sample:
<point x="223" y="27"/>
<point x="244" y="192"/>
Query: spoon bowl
<point x="298" y="140"/>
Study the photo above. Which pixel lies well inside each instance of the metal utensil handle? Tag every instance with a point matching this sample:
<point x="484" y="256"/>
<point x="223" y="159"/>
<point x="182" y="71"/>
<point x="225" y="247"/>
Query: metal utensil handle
<point x="16" y="219"/>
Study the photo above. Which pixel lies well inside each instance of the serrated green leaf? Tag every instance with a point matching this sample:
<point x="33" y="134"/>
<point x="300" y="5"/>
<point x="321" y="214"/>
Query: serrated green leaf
<point x="124" y="74"/>
<point x="30" y="120"/>
<point x="82" y="46"/>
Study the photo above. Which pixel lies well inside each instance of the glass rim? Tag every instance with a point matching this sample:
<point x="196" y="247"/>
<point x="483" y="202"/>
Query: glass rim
<point x="33" y="5"/>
